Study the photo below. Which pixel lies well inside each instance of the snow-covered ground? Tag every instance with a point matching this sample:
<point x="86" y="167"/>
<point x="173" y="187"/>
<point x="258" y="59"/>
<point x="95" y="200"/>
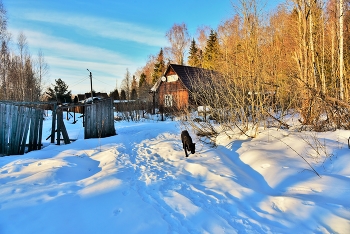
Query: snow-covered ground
<point x="140" y="181"/>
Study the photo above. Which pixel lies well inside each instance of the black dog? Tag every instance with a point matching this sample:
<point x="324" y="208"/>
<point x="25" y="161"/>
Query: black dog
<point x="187" y="142"/>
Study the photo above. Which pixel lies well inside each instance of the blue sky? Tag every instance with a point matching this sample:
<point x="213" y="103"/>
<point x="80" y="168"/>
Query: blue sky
<point x="105" y="36"/>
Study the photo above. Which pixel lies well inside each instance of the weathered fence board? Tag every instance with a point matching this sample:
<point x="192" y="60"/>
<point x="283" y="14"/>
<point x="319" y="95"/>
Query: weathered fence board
<point x="61" y="128"/>
<point x="17" y="122"/>
<point x="99" y="119"/>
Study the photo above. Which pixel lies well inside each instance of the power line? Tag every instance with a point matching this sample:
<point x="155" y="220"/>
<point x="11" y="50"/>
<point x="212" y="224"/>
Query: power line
<point x="101" y="81"/>
<point x="80" y="81"/>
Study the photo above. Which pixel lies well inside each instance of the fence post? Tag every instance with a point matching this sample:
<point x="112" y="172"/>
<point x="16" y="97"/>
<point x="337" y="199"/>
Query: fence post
<point x="59" y="114"/>
<point x="53" y="125"/>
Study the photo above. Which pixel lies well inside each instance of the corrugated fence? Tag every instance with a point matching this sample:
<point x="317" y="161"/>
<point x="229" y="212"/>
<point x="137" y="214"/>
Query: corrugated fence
<point x="17" y="124"/>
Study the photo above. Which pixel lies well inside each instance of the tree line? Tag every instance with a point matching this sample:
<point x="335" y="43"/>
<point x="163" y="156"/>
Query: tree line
<point x="294" y="57"/>
<point x="21" y="76"/>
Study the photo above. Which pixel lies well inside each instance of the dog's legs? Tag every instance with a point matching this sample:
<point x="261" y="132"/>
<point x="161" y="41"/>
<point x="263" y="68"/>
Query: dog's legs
<point x="185" y="148"/>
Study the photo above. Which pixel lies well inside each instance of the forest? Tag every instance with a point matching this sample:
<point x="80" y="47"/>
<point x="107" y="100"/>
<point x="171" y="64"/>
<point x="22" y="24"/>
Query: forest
<point x="292" y="58"/>
<point x="22" y="76"/>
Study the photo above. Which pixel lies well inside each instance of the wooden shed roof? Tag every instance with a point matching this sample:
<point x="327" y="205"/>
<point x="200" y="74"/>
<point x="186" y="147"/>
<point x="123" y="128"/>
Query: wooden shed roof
<point x="187" y="75"/>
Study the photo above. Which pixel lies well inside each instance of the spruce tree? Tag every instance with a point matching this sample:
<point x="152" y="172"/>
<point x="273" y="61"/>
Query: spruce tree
<point x="122" y="95"/>
<point x="59" y="92"/>
<point x="159" y="67"/>
<point x="133" y="94"/>
<point x="212" y="51"/>
<point x="193" y="58"/>
<point x="115" y="94"/>
<point x="142" y="79"/>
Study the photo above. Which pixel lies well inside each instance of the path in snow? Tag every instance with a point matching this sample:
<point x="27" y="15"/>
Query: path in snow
<point x="214" y="188"/>
<point x="189" y="191"/>
<point x="140" y="181"/>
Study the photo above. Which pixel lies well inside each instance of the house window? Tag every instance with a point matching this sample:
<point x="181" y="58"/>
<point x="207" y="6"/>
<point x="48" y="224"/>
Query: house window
<point x="168" y="100"/>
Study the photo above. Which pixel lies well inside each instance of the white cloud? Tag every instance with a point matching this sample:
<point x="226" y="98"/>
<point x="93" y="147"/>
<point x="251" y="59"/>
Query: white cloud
<point x="66" y="48"/>
<point x="69" y="60"/>
<point x="102" y="27"/>
<point x="70" y="55"/>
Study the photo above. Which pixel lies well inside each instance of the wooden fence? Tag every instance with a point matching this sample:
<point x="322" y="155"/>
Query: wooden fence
<point x="17" y="124"/>
<point x="99" y="119"/>
<point x="21" y="124"/>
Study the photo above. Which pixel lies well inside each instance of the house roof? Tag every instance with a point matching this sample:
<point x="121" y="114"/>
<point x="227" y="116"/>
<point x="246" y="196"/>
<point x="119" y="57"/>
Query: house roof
<point x="188" y="75"/>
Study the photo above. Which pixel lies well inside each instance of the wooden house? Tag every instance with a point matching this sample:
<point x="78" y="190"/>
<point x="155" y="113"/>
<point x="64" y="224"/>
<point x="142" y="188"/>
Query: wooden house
<point x="173" y="89"/>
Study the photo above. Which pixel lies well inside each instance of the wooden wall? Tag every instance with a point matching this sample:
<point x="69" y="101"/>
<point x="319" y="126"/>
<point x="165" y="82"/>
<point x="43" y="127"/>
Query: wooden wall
<point x="177" y="90"/>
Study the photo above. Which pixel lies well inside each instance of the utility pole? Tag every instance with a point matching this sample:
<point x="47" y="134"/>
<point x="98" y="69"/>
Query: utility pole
<point x="92" y="97"/>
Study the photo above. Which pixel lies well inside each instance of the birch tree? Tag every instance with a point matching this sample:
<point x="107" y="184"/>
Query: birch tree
<point x="179" y="39"/>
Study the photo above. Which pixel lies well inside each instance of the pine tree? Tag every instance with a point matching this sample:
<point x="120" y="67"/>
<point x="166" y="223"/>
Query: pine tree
<point x="59" y="92"/>
<point x="212" y="51"/>
<point x="122" y="95"/>
<point x="142" y="79"/>
<point x="144" y="87"/>
<point x="193" y="58"/>
<point x="159" y="67"/>
<point x="133" y="94"/>
<point x="134" y="83"/>
<point x="115" y="94"/>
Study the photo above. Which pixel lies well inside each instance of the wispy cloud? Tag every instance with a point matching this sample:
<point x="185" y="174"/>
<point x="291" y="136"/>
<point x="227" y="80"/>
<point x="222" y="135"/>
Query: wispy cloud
<point x="102" y="27"/>
<point x="72" y="43"/>
<point x="69" y="60"/>
<point x="66" y="48"/>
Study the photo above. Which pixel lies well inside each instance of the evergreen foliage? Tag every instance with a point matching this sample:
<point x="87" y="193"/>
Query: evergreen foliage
<point x="133" y="94"/>
<point x="122" y="95"/>
<point x="59" y="92"/>
<point x="115" y="94"/>
<point x="212" y="51"/>
<point x="193" y="58"/>
<point x="159" y="67"/>
<point x="142" y="79"/>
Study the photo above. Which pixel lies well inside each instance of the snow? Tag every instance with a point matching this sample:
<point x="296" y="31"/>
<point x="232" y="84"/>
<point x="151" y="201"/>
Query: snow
<point x="140" y="181"/>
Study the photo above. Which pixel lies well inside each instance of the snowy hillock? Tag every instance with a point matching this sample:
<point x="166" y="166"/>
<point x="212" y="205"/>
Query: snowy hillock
<point x="140" y="181"/>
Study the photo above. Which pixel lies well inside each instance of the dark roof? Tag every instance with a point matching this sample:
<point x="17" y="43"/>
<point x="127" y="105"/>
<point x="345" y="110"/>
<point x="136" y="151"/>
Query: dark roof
<point x="189" y="75"/>
<point x="81" y="97"/>
<point x="101" y="95"/>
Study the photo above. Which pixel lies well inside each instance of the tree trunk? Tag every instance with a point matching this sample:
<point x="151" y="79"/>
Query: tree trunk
<point x="341" y="50"/>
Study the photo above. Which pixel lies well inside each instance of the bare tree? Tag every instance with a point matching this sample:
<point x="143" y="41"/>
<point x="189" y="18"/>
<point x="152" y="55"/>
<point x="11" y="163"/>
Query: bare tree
<point x="341" y="50"/>
<point x="3" y="22"/>
<point x="126" y="84"/>
<point x="23" y="54"/>
<point x="179" y="39"/>
<point x="41" y="71"/>
<point x="202" y="36"/>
